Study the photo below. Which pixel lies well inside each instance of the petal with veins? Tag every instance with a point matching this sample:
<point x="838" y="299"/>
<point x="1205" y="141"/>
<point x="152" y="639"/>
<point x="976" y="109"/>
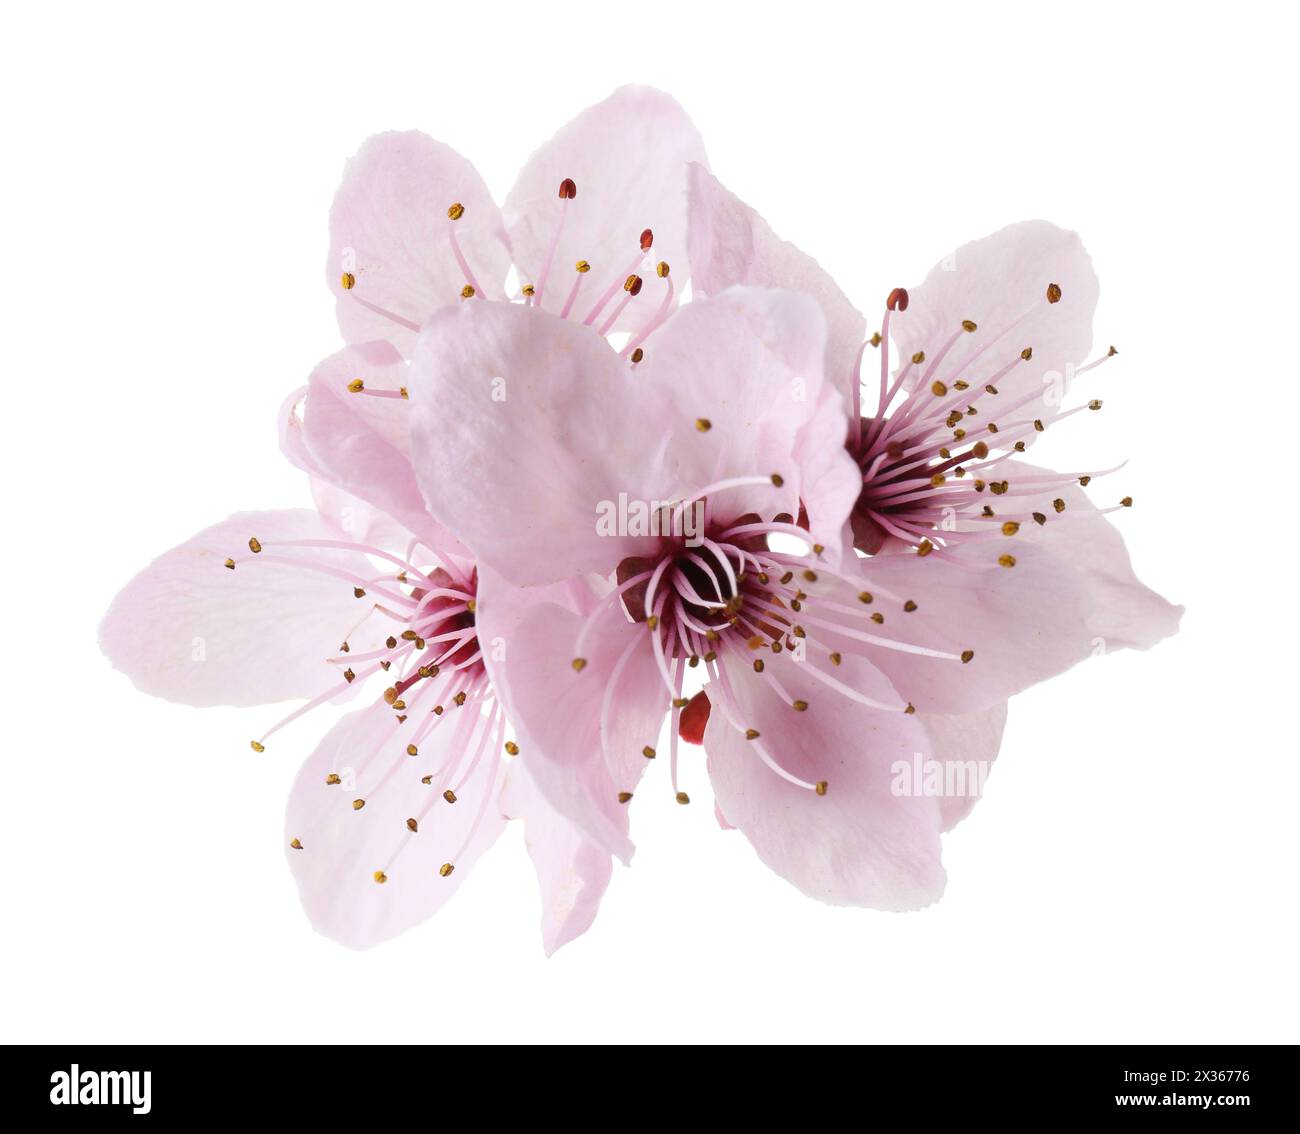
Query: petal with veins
<point x="1000" y="283"/>
<point x="1124" y="613"/>
<point x="572" y="871"/>
<point x="731" y="244"/>
<point x="557" y="711"/>
<point x="627" y="156"/>
<point x="967" y="744"/>
<point x="344" y="847"/>
<point x="522" y="425"/>
<point x="859" y="844"/>
<point x="390" y="233"/>
<point x="187" y="629"/>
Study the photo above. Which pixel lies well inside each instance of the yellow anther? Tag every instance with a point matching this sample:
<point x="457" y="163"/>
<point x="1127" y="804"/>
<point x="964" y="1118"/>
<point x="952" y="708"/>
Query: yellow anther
<point x="296" y="844"/>
<point x="445" y="869"/>
<point x="381" y="877"/>
<point x="456" y="211"/>
<point x="348" y="280"/>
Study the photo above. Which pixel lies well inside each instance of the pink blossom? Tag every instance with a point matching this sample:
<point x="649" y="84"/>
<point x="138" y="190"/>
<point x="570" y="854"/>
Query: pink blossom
<point x="974" y="366"/>
<point x="592" y="225"/>
<point x="730" y="411"/>
<point x="399" y="799"/>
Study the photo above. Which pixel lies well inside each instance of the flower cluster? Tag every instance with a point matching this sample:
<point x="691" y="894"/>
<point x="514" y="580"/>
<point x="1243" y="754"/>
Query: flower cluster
<point x="570" y="522"/>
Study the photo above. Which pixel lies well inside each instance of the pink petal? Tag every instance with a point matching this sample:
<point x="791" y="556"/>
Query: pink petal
<point x="749" y="362"/>
<point x="359" y="520"/>
<point x="996" y="282"/>
<point x="359" y="442"/>
<point x="1123" y="612"/>
<point x="1025" y="624"/>
<point x="187" y="629"/>
<point x="859" y="844"/>
<point x="572" y="871"/>
<point x="557" y="711"/>
<point x="627" y="157"/>
<point x="971" y="740"/>
<point x="389" y="231"/>
<point x="731" y="244"/>
<point x="829" y="479"/>
<point x="342" y="847"/>
<point x="522" y="424"/>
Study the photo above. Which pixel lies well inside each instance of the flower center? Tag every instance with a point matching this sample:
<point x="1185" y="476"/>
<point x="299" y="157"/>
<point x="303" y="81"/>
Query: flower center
<point x="929" y="475"/>
<point x="433" y="649"/>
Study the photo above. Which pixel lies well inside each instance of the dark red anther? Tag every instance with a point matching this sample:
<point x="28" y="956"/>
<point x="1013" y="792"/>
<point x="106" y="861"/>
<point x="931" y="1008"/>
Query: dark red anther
<point x="568" y="190"/>
<point x="897" y="300"/>
<point x="647" y="240"/>
<point x="694" y="718"/>
<point x="633" y="285"/>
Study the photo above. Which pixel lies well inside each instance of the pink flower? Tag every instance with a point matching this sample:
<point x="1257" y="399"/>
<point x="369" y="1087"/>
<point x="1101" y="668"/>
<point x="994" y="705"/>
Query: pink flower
<point x="400" y="798"/>
<point x="949" y="629"/>
<point x="731" y="412"/>
<point x="992" y="551"/>
<point x="592" y="224"/>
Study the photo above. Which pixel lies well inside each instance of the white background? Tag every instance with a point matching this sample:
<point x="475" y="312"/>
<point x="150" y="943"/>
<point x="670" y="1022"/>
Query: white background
<point x="1130" y="875"/>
